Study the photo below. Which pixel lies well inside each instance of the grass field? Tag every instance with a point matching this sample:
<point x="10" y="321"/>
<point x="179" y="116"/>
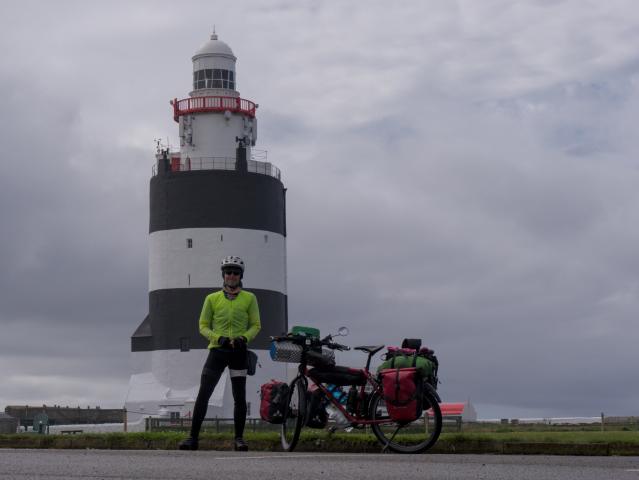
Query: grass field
<point x="548" y="437"/>
<point x="603" y="443"/>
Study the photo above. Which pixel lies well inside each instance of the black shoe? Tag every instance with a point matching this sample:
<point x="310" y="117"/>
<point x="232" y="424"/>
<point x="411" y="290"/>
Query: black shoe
<point x="188" y="444"/>
<point x="240" y="445"/>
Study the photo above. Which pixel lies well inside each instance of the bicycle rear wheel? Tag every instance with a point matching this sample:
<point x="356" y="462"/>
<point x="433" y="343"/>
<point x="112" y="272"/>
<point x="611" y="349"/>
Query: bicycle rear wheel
<point x="295" y="414"/>
<point x="414" y="437"/>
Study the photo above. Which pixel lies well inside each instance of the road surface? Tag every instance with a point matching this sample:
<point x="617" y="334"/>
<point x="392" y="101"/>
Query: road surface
<point x="158" y="465"/>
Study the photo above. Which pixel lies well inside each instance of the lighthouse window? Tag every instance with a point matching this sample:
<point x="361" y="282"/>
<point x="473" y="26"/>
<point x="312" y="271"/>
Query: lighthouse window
<point x="214" y="78"/>
<point x="189" y="243"/>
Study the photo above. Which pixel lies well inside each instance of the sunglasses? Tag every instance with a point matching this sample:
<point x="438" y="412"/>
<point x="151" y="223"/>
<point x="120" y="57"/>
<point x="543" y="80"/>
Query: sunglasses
<point x="232" y="272"/>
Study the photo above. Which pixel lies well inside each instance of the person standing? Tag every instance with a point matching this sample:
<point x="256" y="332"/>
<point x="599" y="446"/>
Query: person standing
<point x="230" y="319"/>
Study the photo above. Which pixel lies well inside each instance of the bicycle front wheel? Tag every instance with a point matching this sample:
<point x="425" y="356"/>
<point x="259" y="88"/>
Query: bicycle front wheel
<point x="414" y="437"/>
<point x="294" y="415"/>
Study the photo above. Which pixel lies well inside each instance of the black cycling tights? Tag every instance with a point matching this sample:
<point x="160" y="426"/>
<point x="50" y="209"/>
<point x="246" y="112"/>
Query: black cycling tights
<point x="217" y="361"/>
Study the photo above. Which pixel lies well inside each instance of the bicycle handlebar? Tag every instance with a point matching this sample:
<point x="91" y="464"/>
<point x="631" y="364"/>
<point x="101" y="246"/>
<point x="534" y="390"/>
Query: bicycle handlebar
<point x="302" y="340"/>
<point x="328" y="342"/>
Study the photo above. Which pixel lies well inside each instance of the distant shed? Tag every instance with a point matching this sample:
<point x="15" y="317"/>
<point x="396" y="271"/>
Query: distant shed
<point x="464" y="410"/>
<point x="8" y="424"/>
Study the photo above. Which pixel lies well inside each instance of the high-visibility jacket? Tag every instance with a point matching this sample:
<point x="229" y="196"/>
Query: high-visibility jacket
<point x="222" y="317"/>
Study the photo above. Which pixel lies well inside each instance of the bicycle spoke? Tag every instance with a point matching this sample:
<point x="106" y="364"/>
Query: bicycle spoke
<point x="413" y="437"/>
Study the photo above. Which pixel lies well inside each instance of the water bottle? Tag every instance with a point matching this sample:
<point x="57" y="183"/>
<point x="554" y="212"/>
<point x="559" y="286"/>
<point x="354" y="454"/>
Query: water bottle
<point x="337" y="416"/>
<point x="333" y="412"/>
<point x="351" y="400"/>
<point x="337" y="393"/>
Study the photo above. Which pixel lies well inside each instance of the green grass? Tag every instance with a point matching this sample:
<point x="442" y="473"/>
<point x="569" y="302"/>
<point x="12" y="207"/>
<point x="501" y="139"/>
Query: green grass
<point x="320" y="440"/>
<point x="553" y="437"/>
<point x="539" y="427"/>
<point x="549" y="437"/>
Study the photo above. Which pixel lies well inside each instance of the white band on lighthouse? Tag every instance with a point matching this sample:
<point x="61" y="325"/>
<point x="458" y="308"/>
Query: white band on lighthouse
<point x="190" y="258"/>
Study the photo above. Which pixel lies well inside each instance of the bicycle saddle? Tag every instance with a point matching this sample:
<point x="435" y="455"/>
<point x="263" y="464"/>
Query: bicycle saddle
<point x="370" y="349"/>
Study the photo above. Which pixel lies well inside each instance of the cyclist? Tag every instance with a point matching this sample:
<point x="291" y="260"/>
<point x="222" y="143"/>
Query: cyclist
<point x="230" y="319"/>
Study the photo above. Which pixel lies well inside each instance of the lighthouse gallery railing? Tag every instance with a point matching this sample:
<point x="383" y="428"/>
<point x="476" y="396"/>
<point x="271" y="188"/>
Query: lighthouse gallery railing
<point x="220" y="163"/>
<point x="212" y="104"/>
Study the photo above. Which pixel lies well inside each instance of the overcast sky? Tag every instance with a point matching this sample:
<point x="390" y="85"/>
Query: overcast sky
<point x="461" y="171"/>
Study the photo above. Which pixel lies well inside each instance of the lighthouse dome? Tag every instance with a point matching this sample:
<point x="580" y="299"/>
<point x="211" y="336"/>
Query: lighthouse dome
<point x="214" y="48"/>
<point x="214" y="69"/>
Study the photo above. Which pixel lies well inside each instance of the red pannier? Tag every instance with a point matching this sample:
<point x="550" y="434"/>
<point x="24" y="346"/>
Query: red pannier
<point x="403" y="393"/>
<point x="274" y="397"/>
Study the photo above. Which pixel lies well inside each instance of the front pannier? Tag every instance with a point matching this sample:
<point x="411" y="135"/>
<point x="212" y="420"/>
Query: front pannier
<point x="403" y="393"/>
<point x="317" y="416"/>
<point x="337" y="375"/>
<point x="274" y="398"/>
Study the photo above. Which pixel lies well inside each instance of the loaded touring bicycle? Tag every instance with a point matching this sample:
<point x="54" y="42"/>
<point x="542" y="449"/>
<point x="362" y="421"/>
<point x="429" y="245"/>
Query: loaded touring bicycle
<point x="400" y="403"/>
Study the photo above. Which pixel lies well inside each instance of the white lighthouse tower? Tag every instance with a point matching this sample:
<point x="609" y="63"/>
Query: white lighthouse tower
<point x="211" y="199"/>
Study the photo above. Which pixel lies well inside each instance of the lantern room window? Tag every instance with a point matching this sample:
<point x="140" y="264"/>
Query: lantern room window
<point x="213" y="78"/>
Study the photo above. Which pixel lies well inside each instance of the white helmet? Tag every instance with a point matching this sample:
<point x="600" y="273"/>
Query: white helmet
<point x="232" y="261"/>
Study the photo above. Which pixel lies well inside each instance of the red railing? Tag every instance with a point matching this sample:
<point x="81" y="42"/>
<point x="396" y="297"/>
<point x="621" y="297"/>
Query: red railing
<point x="212" y="104"/>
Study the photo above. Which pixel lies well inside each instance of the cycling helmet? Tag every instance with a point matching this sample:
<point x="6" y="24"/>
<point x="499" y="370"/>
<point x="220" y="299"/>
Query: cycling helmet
<point x="232" y="261"/>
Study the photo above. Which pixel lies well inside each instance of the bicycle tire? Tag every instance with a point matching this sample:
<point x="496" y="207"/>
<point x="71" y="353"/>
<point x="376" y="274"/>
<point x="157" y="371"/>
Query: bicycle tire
<point x="412" y="440"/>
<point x="294" y="415"/>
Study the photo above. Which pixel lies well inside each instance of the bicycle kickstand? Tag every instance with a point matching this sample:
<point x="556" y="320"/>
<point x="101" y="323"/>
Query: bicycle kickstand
<point x="390" y="439"/>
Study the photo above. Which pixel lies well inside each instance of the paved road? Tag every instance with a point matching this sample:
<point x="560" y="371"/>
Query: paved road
<point x="158" y="465"/>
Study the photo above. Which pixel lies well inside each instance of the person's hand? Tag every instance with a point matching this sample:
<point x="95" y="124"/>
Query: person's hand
<point x="224" y="342"/>
<point x="239" y="343"/>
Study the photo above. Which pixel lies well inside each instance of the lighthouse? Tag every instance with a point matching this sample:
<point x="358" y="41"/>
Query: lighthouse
<point x="216" y="196"/>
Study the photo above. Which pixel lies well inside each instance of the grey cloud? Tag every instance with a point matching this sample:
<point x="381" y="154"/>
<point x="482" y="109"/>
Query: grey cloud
<point x="492" y="254"/>
<point x="435" y="193"/>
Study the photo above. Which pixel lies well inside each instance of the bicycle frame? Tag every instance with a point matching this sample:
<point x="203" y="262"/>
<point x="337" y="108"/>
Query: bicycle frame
<point x="353" y="419"/>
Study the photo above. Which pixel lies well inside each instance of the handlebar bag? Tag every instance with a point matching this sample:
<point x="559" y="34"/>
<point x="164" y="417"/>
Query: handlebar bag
<point x="274" y="398"/>
<point x="403" y="393"/>
<point x="338" y="375"/>
<point x="310" y="332"/>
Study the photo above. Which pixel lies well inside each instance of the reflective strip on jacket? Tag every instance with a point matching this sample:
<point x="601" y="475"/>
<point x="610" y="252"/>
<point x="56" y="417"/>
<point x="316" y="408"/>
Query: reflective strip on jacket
<point x="222" y="317"/>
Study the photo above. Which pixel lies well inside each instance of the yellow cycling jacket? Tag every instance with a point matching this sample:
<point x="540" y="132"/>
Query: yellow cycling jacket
<point x="222" y="317"/>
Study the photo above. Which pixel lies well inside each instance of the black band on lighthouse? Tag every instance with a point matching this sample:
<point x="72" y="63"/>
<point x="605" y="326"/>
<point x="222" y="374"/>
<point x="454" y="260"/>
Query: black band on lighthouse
<point x="217" y="199"/>
<point x="174" y="314"/>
